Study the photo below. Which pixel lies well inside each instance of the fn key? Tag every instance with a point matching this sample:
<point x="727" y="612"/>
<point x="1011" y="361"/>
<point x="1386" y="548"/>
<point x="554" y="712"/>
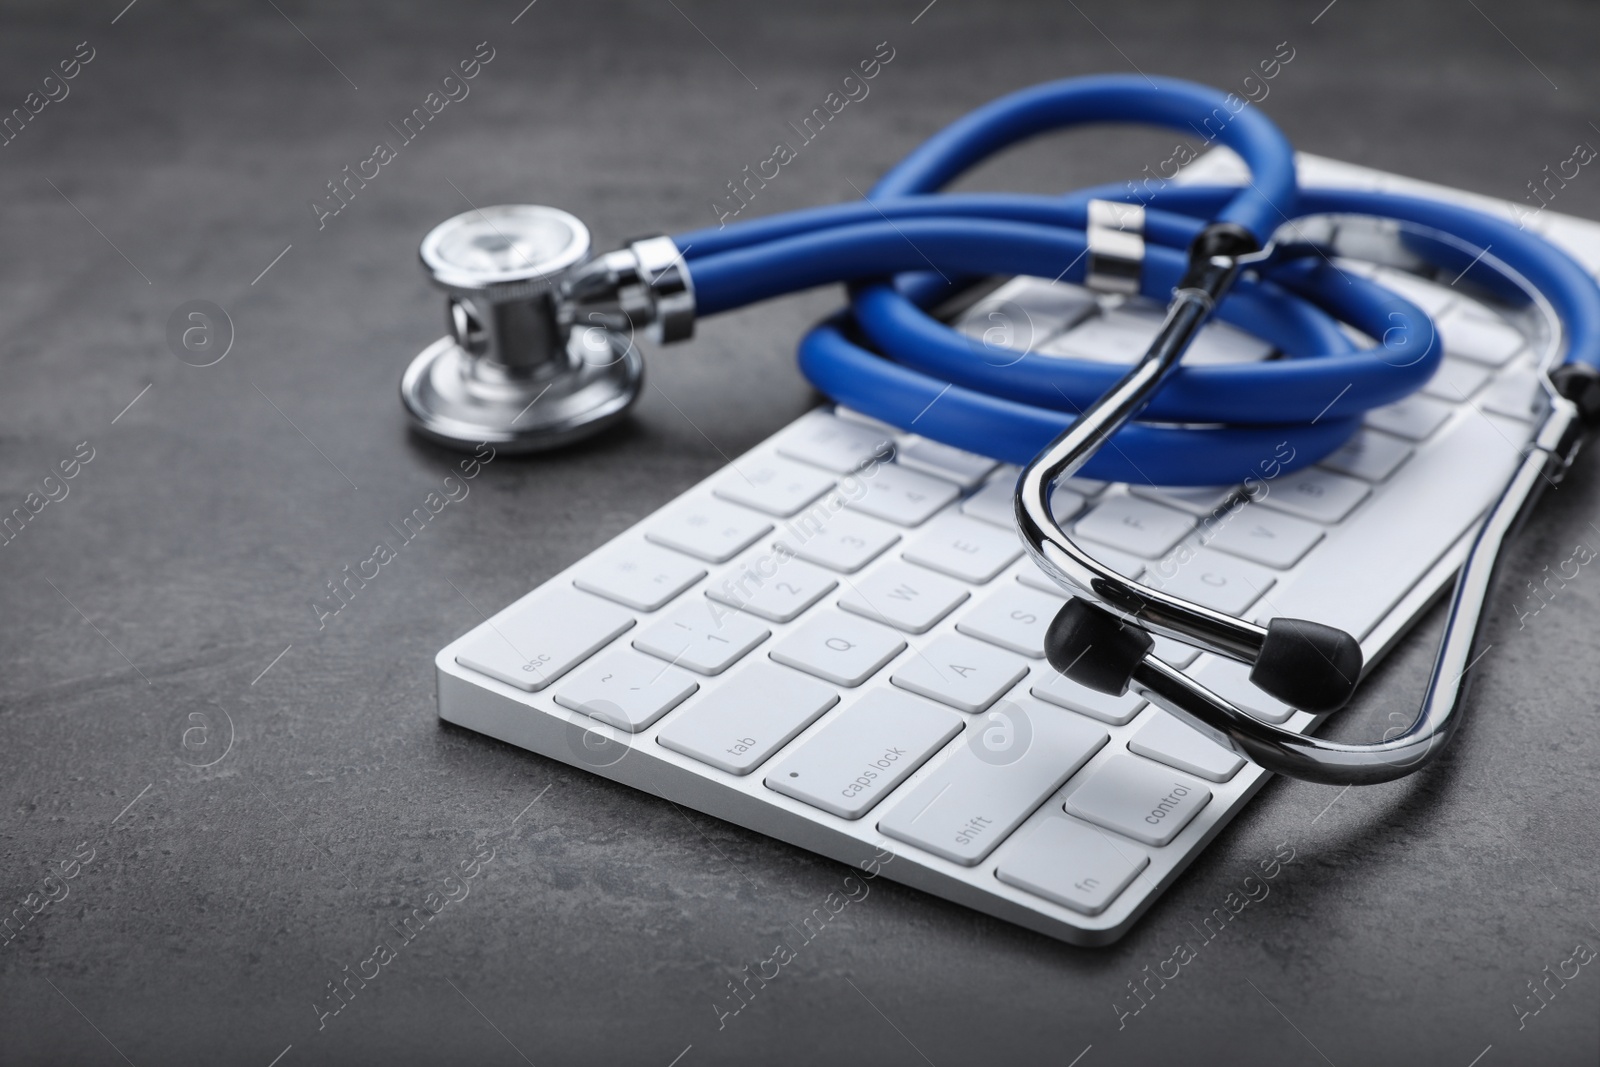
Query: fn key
<point x="1072" y="864"/>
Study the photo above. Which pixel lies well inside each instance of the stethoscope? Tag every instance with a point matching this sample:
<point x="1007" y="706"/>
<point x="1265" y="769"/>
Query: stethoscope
<point x="540" y="353"/>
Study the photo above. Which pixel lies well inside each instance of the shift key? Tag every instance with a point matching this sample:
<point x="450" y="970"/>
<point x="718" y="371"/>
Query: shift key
<point x="855" y="760"/>
<point x="1016" y="756"/>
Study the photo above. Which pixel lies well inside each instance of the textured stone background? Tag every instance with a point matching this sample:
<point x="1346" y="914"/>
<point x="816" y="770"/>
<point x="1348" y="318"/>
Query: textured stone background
<point x="140" y="610"/>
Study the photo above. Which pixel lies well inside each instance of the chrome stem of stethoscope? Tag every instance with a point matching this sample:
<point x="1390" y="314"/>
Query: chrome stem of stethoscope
<point x="1104" y="641"/>
<point x="1335" y="763"/>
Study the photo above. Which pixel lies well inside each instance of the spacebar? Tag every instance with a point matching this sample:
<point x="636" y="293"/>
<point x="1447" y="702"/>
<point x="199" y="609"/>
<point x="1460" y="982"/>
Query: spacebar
<point x="1365" y="566"/>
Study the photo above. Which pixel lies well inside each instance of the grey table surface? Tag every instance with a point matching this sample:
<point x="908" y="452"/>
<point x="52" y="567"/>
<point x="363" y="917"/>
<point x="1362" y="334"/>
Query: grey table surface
<point x="254" y="799"/>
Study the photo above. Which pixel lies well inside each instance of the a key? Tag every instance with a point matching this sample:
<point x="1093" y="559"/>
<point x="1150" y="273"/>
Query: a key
<point x="1110" y="338"/>
<point x="1230" y="680"/>
<point x="863" y="752"/>
<point x="966" y="469"/>
<point x="1061" y="691"/>
<point x="1431" y="298"/>
<point x="843" y="541"/>
<point x="903" y="595"/>
<point x="638" y="576"/>
<point x="1318" y="495"/>
<point x="1198" y="500"/>
<point x="1077" y="866"/>
<point x="964" y="548"/>
<point x="1015" y="756"/>
<point x="1139" y="799"/>
<point x="1218" y="342"/>
<point x="705" y="637"/>
<point x="774" y="587"/>
<point x="902" y="496"/>
<point x="1013" y="617"/>
<point x="624" y="689"/>
<point x="1364" y="568"/>
<point x="966" y="674"/>
<point x="1050" y="306"/>
<point x="837" y="648"/>
<point x="708" y="529"/>
<point x="1141" y="527"/>
<point x="1174" y="653"/>
<point x="778" y="487"/>
<point x="1029" y="574"/>
<point x="1480" y="336"/>
<point x="1256" y="533"/>
<point x="1415" y="418"/>
<point x="542" y="636"/>
<point x="1166" y="740"/>
<point x="834" y="444"/>
<point x="1369" y="455"/>
<point x="994" y="504"/>
<point x="1516" y="394"/>
<point x="1214" y="580"/>
<point x="1456" y="380"/>
<point x="751" y="714"/>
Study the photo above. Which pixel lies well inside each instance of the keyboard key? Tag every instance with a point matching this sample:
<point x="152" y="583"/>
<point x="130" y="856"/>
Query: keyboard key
<point x="994" y="503"/>
<point x="1369" y="455"/>
<point x="964" y="548"/>
<point x="778" y="487"/>
<point x="1516" y="394"/>
<point x="863" y="752"/>
<point x="707" y="638"/>
<point x="1105" y="339"/>
<point x="1013" y="617"/>
<point x="1014" y="758"/>
<point x="541" y="637"/>
<point x="759" y="708"/>
<point x="1074" y="865"/>
<point x="1166" y="740"/>
<point x="837" y="648"/>
<point x="624" y="689"/>
<point x="1415" y="418"/>
<point x="1141" y="800"/>
<point x="638" y="576"/>
<point x="968" y="675"/>
<point x="774" y="587"/>
<point x="834" y="444"/>
<point x="1051" y="306"/>
<point x="966" y="469"/>
<point x="1318" y="495"/>
<point x="1480" y="336"/>
<point x="1363" y="568"/>
<point x="902" y="496"/>
<point x="1174" y="653"/>
<point x="843" y="541"/>
<point x="1265" y="536"/>
<point x="1456" y="380"/>
<point x="1064" y="693"/>
<point x="904" y="596"/>
<point x="1029" y="574"/>
<point x="1137" y="526"/>
<point x="1230" y="680"/>
<point x="1198" y="500"/>
<point x="1430" y="297"/>
<point x="1214" y="580"/>
<point x="708" y="529"/>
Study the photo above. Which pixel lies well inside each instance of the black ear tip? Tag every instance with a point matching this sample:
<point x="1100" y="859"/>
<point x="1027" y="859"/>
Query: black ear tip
<point x="1095" y="648"/>
<point x="1308" y="665"/>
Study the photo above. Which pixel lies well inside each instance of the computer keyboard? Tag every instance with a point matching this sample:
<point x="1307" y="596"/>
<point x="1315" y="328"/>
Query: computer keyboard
<point x="837" y="640"/>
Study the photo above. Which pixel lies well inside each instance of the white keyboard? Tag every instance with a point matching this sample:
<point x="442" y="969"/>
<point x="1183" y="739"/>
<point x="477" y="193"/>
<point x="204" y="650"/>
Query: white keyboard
<point x="837" y="640"/>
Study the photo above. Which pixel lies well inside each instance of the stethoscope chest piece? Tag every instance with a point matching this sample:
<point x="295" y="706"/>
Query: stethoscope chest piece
<point x="512" y="371"/>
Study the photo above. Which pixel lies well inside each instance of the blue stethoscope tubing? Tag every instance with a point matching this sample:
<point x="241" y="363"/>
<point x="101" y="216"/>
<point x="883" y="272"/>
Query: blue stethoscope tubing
<point x="906" y="245"/>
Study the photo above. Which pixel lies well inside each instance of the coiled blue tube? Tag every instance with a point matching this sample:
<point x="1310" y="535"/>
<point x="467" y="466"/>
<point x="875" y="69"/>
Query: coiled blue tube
<point x="889" y="358"/>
